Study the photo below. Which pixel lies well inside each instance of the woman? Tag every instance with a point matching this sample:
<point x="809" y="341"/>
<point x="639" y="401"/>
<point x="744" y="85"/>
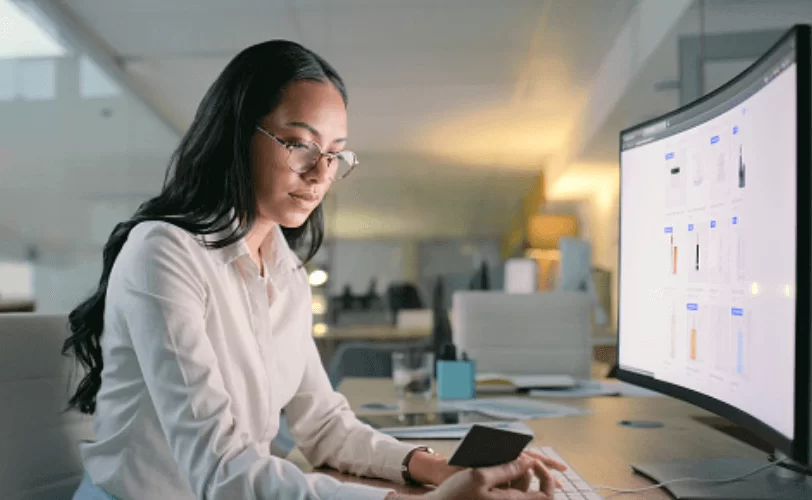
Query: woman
<point x="200" y="331"/>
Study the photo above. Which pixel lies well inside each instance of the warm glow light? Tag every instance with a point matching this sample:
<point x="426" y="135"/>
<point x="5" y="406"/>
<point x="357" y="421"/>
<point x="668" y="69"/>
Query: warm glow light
<point x="318" y="277"/>
<point x="540" y="254"/>
<point x="319" y="307"/>
<point x="319" y="330"/>
<point x="507" y="137"/>
<point x="370" y="223"/>
<point x="786" y="290"/>
<point x="754" y="288"/>
<point x="593" y="181"/>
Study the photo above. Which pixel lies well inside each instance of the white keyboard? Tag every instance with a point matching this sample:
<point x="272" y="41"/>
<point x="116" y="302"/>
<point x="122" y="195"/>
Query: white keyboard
<point x="574" y="486"/>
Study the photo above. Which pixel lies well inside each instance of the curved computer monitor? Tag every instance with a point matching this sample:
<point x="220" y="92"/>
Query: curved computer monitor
<point x="714" y="271"/>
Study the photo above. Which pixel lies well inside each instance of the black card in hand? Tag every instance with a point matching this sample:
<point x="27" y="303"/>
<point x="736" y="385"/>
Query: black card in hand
<point x="485" y="446"/>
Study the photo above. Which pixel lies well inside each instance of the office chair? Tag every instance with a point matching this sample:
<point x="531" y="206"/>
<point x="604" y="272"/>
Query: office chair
<point x="39" y="454"/>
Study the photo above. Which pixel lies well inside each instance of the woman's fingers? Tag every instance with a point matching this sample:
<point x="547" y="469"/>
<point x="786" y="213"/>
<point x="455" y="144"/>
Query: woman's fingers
<point x="547" y="483"/>
<point x="549" y="462"/>
<point x="526" y="481"/>
<point x="491" y="477"/>
<point x="512" y="494"/>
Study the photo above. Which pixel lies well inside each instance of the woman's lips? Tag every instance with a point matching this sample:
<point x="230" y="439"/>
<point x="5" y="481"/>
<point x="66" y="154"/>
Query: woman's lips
<point x="305" y="198"/>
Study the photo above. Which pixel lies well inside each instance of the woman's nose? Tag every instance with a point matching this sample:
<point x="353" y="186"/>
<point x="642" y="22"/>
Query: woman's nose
<point x="320" y="173"/>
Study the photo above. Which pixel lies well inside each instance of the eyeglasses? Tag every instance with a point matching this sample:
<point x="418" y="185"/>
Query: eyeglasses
<point x="304" y="156"/>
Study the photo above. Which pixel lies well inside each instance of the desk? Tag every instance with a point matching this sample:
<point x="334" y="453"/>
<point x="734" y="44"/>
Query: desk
<point x="594" y="445"/>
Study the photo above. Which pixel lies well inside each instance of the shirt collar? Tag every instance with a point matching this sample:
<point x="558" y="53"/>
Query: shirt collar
<point x="274" y="248"/>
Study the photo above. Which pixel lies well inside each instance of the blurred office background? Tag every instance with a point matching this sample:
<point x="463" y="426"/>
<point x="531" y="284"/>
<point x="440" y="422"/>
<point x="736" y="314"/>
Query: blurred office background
<point x="486" y="130"/>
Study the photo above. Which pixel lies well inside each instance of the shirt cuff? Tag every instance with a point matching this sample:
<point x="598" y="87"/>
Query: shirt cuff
<point x="353" y="491"/>
<point x="395" y="452"/>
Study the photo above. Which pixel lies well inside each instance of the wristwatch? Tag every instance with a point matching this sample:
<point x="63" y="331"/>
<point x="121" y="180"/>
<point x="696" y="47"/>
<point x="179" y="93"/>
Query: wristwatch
<point x="404" y="467"/>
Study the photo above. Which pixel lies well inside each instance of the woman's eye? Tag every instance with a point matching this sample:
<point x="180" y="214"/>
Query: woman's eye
<point x="299" y="145"/>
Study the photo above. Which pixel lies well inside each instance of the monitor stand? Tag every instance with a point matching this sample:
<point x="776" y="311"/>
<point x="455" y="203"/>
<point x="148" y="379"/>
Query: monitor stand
<point x="773" y="483"/>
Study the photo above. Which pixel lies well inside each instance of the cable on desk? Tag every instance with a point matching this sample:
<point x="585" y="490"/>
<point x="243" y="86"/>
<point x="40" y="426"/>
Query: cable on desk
<point x="618" y="491"/>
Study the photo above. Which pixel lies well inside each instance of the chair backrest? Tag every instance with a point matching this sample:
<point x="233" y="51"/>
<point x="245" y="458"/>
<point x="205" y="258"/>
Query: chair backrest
<point x="539" y="334"/>
<point x="39" y="456"/>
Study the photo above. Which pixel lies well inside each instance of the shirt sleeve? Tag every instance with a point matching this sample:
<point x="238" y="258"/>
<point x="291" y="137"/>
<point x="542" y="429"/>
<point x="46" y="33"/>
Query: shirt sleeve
<point x="160" y="299"/>
<point x="328" y="433"/>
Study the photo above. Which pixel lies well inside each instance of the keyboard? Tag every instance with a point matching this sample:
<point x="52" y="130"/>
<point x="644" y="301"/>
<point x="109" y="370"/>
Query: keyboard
<point x="574" y="486"/>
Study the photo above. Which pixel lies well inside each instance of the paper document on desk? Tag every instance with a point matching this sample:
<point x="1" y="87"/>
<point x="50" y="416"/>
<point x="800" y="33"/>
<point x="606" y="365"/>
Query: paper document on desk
<point x="595" y="388"/>
<point x="514" y="408"/>
<point x="450" y="431"/>
<point x="500" y="382"/>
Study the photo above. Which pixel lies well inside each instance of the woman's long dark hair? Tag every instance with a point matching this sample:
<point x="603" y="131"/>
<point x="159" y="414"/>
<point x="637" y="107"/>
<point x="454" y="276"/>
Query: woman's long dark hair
<point x="208" y="184"/>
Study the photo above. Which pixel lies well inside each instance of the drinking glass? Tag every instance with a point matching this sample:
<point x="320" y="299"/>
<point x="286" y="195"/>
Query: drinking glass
<point x="412" y="373"/>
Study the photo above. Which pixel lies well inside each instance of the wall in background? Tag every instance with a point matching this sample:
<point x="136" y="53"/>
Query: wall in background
<point x="78" y="153"/>
<point x="457" y="261"/>
<point x="60" y="289"/>
<point x="105" y="152"/>
<point x="357" y="262"/>
<point x="54" y="289"/>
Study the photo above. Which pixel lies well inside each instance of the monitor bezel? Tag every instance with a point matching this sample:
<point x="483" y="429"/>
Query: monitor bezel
<point x="799" y="447"/>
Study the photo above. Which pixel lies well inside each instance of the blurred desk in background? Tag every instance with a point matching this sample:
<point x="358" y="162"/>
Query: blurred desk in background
<point x="17" y="306"/>
<point x="604" y="347"/>
<point x="328" y="341"/>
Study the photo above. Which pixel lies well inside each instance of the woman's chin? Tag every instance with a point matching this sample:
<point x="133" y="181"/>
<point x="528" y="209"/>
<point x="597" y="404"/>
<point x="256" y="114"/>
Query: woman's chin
<point x="288" y="214"/>
<point x="296" y="219"/>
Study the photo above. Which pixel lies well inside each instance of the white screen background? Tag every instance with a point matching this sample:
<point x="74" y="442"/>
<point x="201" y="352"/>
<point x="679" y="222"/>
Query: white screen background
<point x="727" y="328"/>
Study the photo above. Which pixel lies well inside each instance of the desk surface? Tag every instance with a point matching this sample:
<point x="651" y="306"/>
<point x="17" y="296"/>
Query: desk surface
<point x="595" y="445"/>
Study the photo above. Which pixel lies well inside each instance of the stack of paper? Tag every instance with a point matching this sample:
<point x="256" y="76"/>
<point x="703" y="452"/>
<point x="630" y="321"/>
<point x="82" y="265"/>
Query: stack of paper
<point x="514" y="408"/>
<point x="596" y="388"/>
<point x="500" y="382"/>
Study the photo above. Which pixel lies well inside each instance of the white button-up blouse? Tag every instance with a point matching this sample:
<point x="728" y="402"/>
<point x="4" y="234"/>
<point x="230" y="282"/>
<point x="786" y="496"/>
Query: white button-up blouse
<point x="201" y="354"/>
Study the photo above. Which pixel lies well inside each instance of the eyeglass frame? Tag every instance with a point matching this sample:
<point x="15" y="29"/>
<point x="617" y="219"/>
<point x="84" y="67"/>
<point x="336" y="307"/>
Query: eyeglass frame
<point x="330" y="156"/>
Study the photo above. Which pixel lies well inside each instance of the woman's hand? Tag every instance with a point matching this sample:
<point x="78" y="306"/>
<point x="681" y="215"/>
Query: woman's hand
<point x="487" y="483"/>
<point x="433" y="469"/>
<point x="545" y="463"/>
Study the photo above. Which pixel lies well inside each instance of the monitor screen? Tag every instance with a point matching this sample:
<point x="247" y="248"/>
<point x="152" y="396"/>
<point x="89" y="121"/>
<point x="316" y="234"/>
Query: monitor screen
<point x="708" y="222"/>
